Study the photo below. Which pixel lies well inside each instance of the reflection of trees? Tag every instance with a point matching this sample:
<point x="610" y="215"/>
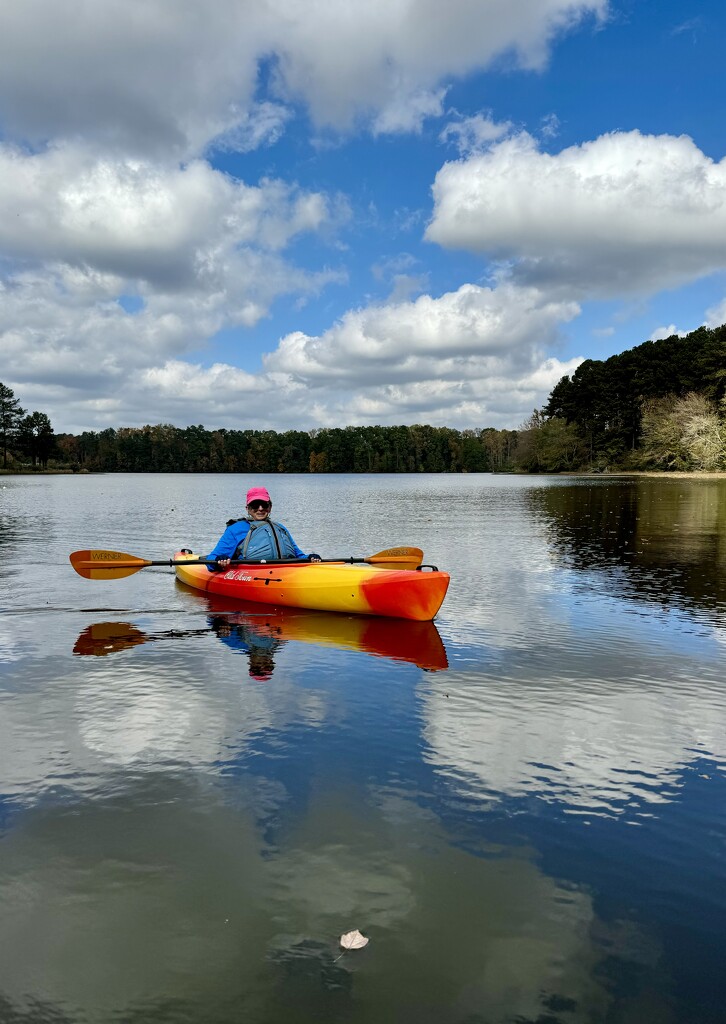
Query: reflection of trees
<point x="667" y="538"/>
<point x="167" y="903"/>
<point x="8" y="530"/>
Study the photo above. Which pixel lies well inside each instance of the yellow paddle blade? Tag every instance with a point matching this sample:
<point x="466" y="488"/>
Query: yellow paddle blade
<point x="397" y="558"/>
<point x="104" y="638"/>
<point x="106" y="565"/>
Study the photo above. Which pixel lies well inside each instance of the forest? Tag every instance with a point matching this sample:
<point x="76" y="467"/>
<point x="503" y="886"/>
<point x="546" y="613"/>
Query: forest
<point x="660" y="405"/>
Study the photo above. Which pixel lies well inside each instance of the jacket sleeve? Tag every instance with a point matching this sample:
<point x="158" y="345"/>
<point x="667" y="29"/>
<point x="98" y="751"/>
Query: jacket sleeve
<point x="228" y="543"/>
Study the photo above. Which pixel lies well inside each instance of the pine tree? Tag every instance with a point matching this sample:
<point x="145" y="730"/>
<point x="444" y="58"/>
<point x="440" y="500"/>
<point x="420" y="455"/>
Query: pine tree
<point x="10" y="416"/>
<point x="35" y="438"/>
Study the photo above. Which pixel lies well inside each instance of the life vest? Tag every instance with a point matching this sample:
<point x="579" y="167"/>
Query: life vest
<point x="264" y="540"/>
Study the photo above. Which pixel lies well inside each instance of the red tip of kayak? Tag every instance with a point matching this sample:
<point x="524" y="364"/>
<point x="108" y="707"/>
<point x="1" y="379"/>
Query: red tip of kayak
<point x="413" y="595"/>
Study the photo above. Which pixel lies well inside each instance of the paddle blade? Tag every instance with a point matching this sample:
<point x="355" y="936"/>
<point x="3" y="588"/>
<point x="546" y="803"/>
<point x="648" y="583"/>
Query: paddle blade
<point x="397" y="558"/>
<point x="104" y="638"/>
<point x="105" y="565"/>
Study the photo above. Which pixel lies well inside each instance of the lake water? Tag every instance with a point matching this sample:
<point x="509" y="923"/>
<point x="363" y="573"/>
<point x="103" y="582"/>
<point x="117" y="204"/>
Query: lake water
<point x="523" y="805"/>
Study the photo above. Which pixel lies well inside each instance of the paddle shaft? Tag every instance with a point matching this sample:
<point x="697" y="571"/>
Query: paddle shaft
<point x="104" y="564"/>
<point x="143" y="563"/>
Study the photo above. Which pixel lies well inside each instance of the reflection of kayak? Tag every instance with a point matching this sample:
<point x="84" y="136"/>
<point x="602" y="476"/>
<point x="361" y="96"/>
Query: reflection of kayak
<point x="418" y="643"/>
<point x="323" y="586"/>
<point x="103" y="638"/>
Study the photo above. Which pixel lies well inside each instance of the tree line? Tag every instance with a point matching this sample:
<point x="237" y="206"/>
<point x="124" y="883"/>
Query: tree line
<point x="402" y="449"/>
<point x="23" y="437"/>
<point x="660" y="405"/>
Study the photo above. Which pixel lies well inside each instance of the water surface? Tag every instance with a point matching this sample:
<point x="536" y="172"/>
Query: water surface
<point x="521" y="805"/>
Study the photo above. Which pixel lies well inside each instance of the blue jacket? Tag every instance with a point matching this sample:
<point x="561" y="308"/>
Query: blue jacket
<point x="268" y="540"/>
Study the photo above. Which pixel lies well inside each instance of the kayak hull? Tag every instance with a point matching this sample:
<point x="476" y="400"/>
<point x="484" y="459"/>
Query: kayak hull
<point x="323" y="586"/>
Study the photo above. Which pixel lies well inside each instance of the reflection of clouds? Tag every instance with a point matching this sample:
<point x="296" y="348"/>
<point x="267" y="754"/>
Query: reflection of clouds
<point x="501" y="570"/>
<point x="73" y="728"/>
<point x="108" y="914"/>
<point x="11" y="648"/>
<point x="142" y="719"/>
<point x="458" y="930"/>
<point x="604" y="746"/>
<point x="565" y="691"/>
<point x="342" y="883"/>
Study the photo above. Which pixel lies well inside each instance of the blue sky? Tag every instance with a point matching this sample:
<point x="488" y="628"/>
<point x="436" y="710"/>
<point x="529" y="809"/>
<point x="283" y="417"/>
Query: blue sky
<point x="285" y="215"/>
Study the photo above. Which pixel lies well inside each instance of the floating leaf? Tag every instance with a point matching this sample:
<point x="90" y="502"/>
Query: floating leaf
<point x="353" y="940"/>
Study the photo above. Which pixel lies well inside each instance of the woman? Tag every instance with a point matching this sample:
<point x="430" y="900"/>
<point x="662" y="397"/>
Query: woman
<point x="255" y="536"/>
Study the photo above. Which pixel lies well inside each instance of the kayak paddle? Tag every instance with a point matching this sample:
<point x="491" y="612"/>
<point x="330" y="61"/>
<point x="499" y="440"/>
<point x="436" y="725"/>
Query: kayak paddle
<point x="114" y="565"/>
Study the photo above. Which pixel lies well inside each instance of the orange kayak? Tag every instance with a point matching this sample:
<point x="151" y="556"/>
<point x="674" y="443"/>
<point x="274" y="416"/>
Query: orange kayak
<point x="325" y="586"/>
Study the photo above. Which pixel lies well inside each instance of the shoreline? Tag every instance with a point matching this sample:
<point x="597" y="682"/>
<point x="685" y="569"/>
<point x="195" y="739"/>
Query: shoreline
<point x="675" y="474"/>
<point x="690" y="474"/>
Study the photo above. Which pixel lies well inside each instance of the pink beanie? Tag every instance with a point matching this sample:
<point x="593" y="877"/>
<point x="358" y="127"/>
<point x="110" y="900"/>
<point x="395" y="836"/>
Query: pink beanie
<point x="258" y="494"/>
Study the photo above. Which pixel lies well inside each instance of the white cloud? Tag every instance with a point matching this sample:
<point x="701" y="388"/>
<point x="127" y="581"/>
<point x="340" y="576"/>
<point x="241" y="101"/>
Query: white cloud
<point x="62" y="330"/>
<point x="666" y="332"/>
<point x="474" y="134"/>
<point x="172" y="77"/>
<point x="196" y="250"/>
<point x="625" y="213"/>
<point x="472" y="358"/>
<point x="497" y="327"/>
<point x="408" y="109"/>
<point x="168" y="225"/>
<point x="405" y="286"/>
<point x="390" y="266"/>
<point x="162" y="79"/>
<point x="124" y="251"/>
<point x="549" y="126"/>
<point x="716" y="315"/>
<point x="262" y="124"/>
<point x="397" y="270"/>
<point x="358" y="57"/>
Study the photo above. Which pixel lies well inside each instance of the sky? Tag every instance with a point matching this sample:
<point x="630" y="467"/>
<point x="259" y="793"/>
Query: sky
<point x="277" y="214"/>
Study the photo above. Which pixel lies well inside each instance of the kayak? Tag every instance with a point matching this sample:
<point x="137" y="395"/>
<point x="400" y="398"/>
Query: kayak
<point x="325" y="586"/>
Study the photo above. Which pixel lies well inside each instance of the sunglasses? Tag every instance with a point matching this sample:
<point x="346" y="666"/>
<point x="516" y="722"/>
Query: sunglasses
<point x="255" y="506"/>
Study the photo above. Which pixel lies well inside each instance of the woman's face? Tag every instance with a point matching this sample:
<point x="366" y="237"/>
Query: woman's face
<point x="259" y="510"/>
